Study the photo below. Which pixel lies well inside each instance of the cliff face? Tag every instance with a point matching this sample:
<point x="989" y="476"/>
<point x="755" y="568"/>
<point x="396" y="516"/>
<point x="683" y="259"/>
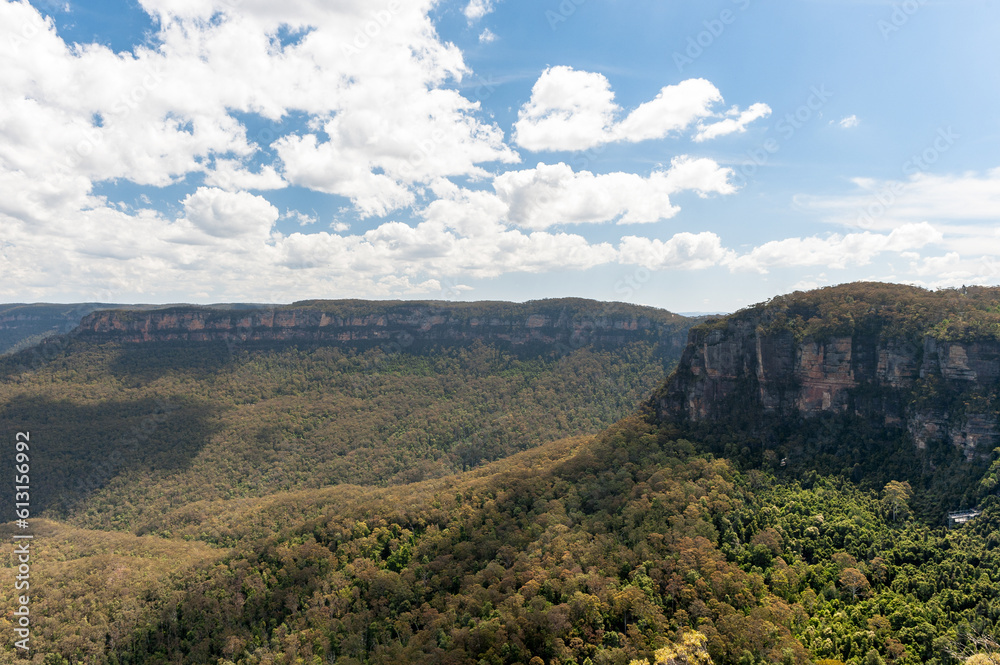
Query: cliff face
<point x="570" y="324"/>
<point x="933" y="388"/>
<point x="23" y="325"/>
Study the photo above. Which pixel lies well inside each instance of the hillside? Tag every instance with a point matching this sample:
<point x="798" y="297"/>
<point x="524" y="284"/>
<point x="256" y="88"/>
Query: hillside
<point x="875" y="381"/>
<point x="599" y="550"/>
<point x="22" y="326"/>
<point x="754" y="510"/>
<point x="25" y="326"/>
<point x="316" y="394"/>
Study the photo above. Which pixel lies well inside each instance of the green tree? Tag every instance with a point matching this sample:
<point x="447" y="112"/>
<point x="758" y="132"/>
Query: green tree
<point x="896" y="497"/>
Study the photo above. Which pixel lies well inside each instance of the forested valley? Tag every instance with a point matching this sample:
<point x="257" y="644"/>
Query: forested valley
<point x="480" y="504"/>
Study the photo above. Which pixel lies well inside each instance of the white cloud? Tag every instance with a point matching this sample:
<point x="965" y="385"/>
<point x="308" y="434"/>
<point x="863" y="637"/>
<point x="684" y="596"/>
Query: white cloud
<point x="850" y="122"/>
<point x="230" y="174"/>
<point x="227" y="215"/>
<point x="375" y="81"/>
<point x="550" y="195"/>
<point x="684" y="251"/>
<point x="300" y="217"/>
<point x="568" y="110"/>
<point x="835" y="251"/>
<point x="363" y="104"/>
<point x="737" y="124"/>
<point x="477" y="9"/>
<point x="575" y="110"/>
<point x="675" y="108"/>
<point x="969" y="198"/>
<point x="487" y="36"/>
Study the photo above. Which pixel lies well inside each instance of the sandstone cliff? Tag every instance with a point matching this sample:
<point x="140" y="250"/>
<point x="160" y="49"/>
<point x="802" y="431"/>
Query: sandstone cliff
<point x="567" y="323"/>
<point x="893" y="362"/>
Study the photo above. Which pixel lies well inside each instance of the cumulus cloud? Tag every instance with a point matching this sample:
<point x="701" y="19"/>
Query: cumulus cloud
<point x="554" y="194"/>
<point x="835" y="251"/>
<point x="477" y="9"/>
<point x="229" y="214"/>
<point x="684" y="251"/>
<point x="674" y="109"/>
<point x="361" y="103"/>
<point x="373" y="83"/>
<point x="575" y="110"/>
<point x="231" y="175"/>
<point x="568" y="110"/>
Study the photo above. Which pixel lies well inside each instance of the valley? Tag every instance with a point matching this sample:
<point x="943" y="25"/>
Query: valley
<point x="759" y="494"/>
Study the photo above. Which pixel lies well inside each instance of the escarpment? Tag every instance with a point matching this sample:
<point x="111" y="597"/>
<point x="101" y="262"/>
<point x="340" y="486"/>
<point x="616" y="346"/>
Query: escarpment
<point x="899" y="357"/>
<point x="569" y="323"/>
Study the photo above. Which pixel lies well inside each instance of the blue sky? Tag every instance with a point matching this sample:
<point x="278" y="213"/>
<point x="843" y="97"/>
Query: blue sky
<point x="693" y="156"/>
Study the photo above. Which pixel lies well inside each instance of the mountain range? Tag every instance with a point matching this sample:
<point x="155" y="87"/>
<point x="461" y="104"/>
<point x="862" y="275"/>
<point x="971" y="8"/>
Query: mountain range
<point x="548" y="482"/>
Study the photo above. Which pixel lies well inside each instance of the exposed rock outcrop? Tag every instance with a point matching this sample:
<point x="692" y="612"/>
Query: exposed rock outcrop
<point x="571" y="323"/>
<point x="753" y="362"/>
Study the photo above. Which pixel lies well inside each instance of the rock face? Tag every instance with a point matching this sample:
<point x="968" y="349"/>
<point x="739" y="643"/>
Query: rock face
<point x="22" y="325"/>
<point x="567" y="323"/>
<point x="918" y="383"/>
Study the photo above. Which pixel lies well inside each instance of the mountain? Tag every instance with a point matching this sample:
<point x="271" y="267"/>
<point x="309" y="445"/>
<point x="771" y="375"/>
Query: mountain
<point x="900" y="368"/>
<point x="717" y="523"/>
<point x="569" y="322"/>
<point x="22" y="325"/>
<point x="145" y="410"/>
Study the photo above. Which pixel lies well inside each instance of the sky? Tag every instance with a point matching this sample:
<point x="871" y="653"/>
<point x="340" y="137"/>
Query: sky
<point x="696" y="156"/>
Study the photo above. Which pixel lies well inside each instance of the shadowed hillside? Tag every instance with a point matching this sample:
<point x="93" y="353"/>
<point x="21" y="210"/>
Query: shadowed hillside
<point x="368" y="393"/>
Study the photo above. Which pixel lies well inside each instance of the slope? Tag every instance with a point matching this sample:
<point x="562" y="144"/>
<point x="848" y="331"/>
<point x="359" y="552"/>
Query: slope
<point x="128" y="428"/>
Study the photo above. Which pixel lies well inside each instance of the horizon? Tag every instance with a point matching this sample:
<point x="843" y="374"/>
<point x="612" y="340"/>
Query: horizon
<point x="688" y="313"/>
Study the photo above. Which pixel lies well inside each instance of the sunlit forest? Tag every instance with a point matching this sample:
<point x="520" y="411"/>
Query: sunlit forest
<point x="480" y="504"/>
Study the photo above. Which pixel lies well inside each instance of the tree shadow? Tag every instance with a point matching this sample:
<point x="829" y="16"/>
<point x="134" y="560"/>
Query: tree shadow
<point x="77" y="449"/>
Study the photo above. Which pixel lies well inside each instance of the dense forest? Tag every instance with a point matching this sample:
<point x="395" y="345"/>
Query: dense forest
<point x="132" y="430"/>
<point x="321" y="504"/>
<point x="620" y="549"/>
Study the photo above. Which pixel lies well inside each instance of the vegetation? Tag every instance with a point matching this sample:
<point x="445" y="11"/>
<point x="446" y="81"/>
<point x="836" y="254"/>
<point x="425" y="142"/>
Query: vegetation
<point x="306" y="504"/>
<point x="628" y="547"/>
<point x="890" y="311"/>
<point x="133" y="430"/>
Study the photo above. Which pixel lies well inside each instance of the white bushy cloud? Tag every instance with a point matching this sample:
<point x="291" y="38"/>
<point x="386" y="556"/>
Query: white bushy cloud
<point x="684" y="251"/>
<point x="568" y="110"/>
<point x="836" y="251"/>
<point x="364" y="102"/>
<point x="477" y="9"/>
<point x="576" y="110"/>
<point x="550" y="195"/>
<point x="229" y="214"/>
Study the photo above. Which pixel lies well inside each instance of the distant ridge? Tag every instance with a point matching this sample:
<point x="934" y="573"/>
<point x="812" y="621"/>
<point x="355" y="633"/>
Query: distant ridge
<point x="570" y="321"/>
